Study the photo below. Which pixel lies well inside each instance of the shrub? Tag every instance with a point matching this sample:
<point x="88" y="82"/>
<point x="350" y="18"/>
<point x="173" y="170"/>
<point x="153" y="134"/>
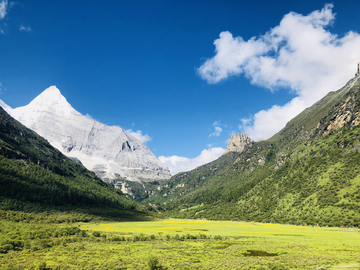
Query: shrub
<point x="4" y="248"/>
<point x="96" y="234"/>
<point x="203" y="236"/>
<point x="42" y="266"/>
<point x="136" y="238"/>
<point x="154" y="264"/>
<point x="118" y="238"/>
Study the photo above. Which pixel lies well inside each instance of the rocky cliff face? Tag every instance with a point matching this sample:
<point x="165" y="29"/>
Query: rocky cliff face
<point x="346" y="112"/>
<point x="109" y="151"/>
<point x="237" y="143"/>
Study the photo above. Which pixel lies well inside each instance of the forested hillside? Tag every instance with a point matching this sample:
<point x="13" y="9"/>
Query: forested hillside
<point x="35" y="177"/>
<point x="308" y="173"/>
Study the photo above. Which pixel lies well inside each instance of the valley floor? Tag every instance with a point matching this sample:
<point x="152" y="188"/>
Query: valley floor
<point x="177" y="244"/>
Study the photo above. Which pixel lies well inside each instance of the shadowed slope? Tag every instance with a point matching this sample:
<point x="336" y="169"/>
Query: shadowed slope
<point x="34" y="176"/>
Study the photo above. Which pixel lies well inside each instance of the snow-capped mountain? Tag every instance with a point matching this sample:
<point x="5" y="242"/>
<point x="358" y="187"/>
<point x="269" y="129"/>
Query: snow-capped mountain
<point x="109" y="151"/>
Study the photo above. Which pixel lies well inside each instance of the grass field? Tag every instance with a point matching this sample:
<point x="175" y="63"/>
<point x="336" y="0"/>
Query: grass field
<point x="184" y="244"/>
<point x="300" y="245"/>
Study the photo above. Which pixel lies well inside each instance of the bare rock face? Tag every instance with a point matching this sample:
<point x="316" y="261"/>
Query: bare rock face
<point x="237" y="143"/>
<point x="109" y="151"/>
<point x="346" y="112"/>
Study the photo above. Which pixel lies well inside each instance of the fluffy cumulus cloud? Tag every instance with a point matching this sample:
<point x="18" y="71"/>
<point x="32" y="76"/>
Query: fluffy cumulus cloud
<point x="178" y="164"/>
<point x="3" y="8"/>
<point x="143" y="138"/>
<point x="300" y="54"/>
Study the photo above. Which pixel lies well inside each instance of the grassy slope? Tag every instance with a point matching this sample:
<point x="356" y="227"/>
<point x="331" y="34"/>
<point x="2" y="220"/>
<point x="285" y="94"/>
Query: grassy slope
<point x="298" y="176"/>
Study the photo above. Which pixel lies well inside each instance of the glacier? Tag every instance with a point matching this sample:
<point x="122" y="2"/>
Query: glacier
<point x="109" y="151"/>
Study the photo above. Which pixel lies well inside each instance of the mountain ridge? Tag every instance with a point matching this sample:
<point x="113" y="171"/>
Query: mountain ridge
<point x="36" y="177"/>
<point x="109" y="151"/>
<point x="307" y="173"/>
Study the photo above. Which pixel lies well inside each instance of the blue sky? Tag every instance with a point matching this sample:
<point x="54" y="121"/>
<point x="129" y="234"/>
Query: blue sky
<point x="185" y="75"/>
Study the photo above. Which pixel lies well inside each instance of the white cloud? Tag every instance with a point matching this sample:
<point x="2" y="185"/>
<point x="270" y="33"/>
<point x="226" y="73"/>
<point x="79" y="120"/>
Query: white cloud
<point x="3" y="8"/>
<point x="25" y="28"/>
<point x="218" y="129"/>
<point x="217" y="132"/>
<point x="178" y="164"/>
<point x="138" y="135"/>
<point x="299" y="54"/>
<point x="216" y="123"/>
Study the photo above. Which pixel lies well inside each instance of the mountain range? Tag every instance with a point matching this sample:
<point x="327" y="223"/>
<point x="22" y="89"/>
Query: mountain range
<point x="307" y="173"/>
<point x="109" y="151"/>
<point x="35" y="178"/>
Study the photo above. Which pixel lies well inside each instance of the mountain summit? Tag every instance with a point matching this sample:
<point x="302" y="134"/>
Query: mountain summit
<point x="237" y="143"/>
<point x="109" y="151"/>
<point x="50" y="101"/>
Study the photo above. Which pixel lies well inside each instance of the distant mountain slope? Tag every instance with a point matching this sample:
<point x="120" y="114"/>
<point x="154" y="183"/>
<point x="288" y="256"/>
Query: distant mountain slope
<point x="33" y="174"/>
<point x="109" y="151"/>
<point x="309" y="172"/>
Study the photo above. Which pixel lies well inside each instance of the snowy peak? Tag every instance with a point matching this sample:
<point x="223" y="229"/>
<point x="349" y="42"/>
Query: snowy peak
<point x="49" y="96"/>
<point x="109" y="151"/>
<point x="49" y="102"/>
<point x="52" y="100"/>
<point x="51" y="91"/>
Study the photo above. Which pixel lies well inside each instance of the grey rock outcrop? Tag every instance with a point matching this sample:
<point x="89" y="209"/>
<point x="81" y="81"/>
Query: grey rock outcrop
<point x="237" y="143"/>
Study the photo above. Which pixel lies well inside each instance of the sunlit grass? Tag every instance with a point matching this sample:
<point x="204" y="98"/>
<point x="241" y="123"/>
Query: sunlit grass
<point x="189" y="244"/>
<point x="339" y="245"/>
<point x="231" y="229"/>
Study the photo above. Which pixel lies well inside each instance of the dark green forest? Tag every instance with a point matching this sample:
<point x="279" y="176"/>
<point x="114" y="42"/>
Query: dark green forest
<point x="36" y="178"/>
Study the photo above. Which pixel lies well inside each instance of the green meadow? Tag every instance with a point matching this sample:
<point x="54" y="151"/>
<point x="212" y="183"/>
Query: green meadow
<point x="177" y="244"/>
